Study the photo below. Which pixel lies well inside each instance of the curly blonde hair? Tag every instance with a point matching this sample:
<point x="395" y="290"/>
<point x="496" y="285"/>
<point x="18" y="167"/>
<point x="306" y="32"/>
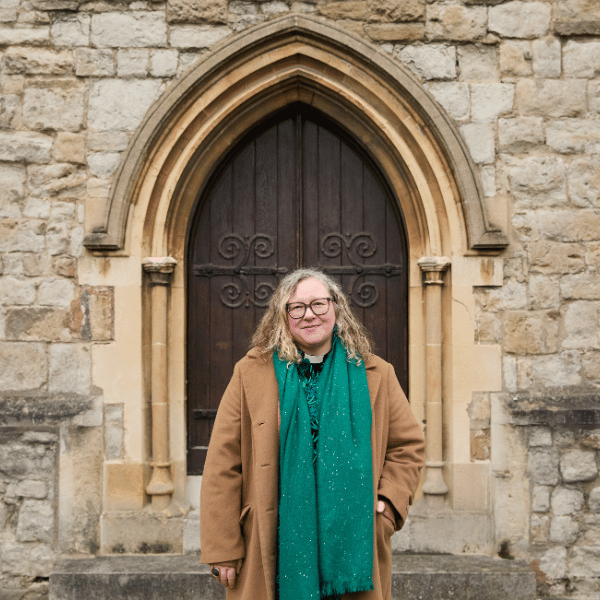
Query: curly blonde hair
<point x="273" y="330"/>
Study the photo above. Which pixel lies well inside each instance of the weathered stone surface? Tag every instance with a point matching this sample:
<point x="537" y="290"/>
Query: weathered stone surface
<point x="353" y="9"/>
<point x="581" y="59"/>
<point x="566" y="501"/>
<point x="480" y="139"/>
<point x="56" y="292"/>
<point x="515" y="59"/>
<point x="542" y="466"/>
<point x="56" y="180"/>
<point x="390" y="10"/>
<point x="69" y="369"/>
<point x="131" y="30"/>
<point x="564" y="530"/>
<point x="28" y="61"/>
<point x="489" y="329"/>
<point x="120" y="105"/>
<point x="10" y="111"/>
<point x="197" y="36"/>
<point x="17" y="236"/>
<point x="16" y="291"/>
<point x="8" y="10"/>
<point x="103" y="164"/>
<point x="94" y="63"/>
<point x="548" y="371"/>
<point x="72" y="30"/>
<point x="594" y="500"/>
<point x="190" y="11"/>
<point x="25" y="146"/>
<point x="574" y="136"/>
<point x="113" y="431"/>
<point x="454" y="97"/>
<point x="31" y="36"/>
<point x="107" y="141"/>
<point x="540" y="528"/>
<point x="57" y="239"/>
<point x="32" y="489"/>
<point x="569" y="226"/>
<point x="529" y="332"/>
<point x="490" y="100"/>
<point x="520" y="19"/>
<point x="554" y="563"/>
<point x="11" y="190"/>
<point x="551" y="97"/>
<point x="577" y="9"/>
<point x="69" y="148"/>
<point x="37" y="324"/>
<point x="98" y="308"/>
<point x="578" y="465"/>
<point x="582" y="286"/>
<point x="583" y="182"/>
<point x="585" y="562"/>
<point x="521" y="134"/>
<point x="510" y="296"/>
<point x="591" y="367"/>
<point x="132" y="62"/>
<point x="538" y="181"/>
<point x="547" y="57"/>
<point x="23" y="366"/>
<point x="163" y="63"/>
<point x="36" y="522"/>
<point x="581" y="322"/>
<point x="455" y="22"/>
<point x="540" y="436"/>
<point x="477" y="63"/>
<point x="544" y="292"/>
<point x="435" y="61"/>
<point x="540" y="498"/>
<point x="58" y="106"/>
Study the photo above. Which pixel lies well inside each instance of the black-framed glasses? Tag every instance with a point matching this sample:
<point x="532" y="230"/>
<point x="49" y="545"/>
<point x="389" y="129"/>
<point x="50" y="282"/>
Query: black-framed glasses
<point x="297" y="310"/>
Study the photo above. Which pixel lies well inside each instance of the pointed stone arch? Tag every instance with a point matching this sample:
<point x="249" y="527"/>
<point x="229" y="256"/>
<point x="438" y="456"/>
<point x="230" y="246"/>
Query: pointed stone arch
<point x="296" y="59"/>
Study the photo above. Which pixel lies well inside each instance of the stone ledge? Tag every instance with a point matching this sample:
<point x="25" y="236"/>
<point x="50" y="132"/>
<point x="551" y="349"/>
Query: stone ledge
<point x="43" y="410"/>
<point x="568" y="28"/>
<point x="435" y="577"/>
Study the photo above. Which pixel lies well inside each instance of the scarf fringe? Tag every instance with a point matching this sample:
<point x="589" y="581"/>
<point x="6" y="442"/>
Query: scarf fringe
<point x="340" y="588"/>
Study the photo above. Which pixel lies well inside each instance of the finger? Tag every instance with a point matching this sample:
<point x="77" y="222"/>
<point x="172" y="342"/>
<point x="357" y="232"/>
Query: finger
<point x="231" y="577"/>
<point x="380" y="506"/>
<point x="223" y="572"/>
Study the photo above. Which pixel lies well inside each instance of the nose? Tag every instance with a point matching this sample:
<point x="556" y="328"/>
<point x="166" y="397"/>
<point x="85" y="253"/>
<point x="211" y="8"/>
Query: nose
<point x="312" y="315"/>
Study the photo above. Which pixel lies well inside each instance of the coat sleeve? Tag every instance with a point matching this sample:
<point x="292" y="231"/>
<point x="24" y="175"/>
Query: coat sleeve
<point x="405" y="451"/>
<point x="221" y="493"/>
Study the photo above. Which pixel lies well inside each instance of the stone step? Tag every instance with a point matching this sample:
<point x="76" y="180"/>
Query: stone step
<point x="415" y="577"/>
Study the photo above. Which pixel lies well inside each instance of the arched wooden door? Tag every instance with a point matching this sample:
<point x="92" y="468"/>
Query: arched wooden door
<point x="295" y="192"/>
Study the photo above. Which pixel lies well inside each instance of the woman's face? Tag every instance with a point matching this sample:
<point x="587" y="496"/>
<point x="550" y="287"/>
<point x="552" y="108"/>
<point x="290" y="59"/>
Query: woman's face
<point x="312" y="333"/>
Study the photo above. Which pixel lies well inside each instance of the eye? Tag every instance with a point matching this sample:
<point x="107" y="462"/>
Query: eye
<point x="319" y="304"/>
<point x="298" y="306"/>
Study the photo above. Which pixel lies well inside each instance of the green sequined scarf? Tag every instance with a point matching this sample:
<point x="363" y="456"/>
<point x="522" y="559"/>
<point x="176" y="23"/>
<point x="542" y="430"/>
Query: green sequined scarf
<point x="325" y="545"/>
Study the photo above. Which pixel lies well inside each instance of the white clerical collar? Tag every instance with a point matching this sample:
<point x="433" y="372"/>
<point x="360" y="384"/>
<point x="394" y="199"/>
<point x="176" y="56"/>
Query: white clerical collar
<point x="314" y="359"/>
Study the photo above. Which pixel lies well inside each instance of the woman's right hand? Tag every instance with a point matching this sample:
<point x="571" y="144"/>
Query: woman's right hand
<point x="226" y="571"/>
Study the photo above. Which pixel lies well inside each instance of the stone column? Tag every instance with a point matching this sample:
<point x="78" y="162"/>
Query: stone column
<point x="435" y="487"/>
<point x="161" y="486"/>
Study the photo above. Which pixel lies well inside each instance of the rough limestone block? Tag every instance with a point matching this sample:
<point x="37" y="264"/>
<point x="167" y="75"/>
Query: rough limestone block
<point x="36" y="522"/>
<point x="120" y="105"/>
<point x="583" y="182"/>
<point x="113" y="431"/>
<point x="56" y="292"/>
<point x="566" y="501"/>
<point x="435" y="61"/>
<point x="8" y="10"/>
<point x="544" y="292"/>
<point x="581" y="286"/>
<point x="531" y="332"/>
<point x="539" y="528"/>
<point x="31" y="61"/>
<point x="69" y="369"/>
<point x="478" y="63"/>
<point x="163" y="63"/>
<point x="10" y="111"/>
<point x="520" y="19"/>
<point x="581" y="322"/>
<point x="540" y="436"/>
<point x="554" y="563"/>
<point x="107" y="141"/>
<point x="39" y="36"/>
<point x="578" y="465"/>
<point x="357" y="10"/>
<point x="23" y="366"/>
<point x="553" y="370"/>
<point x="520" y="135"/>
<point x="94" y="63"/>
<point x="542" y="466"/>
<point x="16" y="291"/>
<point x="547" y="57"/>
<point x="130" y="30"/>
<point x="392" y="11"/>
<point x="515" y="58"/>
<point x="99" y="306"/>
<point x="594" y="500"/>
<point x="25" y="146"/>
<point x="30" y="488"/>
<point x="69" y="148"/>
<point x="538" y="179"/>
<point x="560" y="258"/>
<point x="540" y="498"/>
<point x="593" y="95"/>
<point x="37" y="324"/>
<point x="490" y="100"/>
<point x="72" y="30"/>
<point x="191" y="11"/>
<point x="132" y="62"/>
<point x="454" y="22"/>
<point x="564" y="530"/>
<point x="58" y="106"/>
<point x="585" y="562"/>
<point x="103" y="164"/>
<point x="551" y="97"/>
<point x="197" y="36"/>
<point x="569" y="226"/>
<point x="481" y="142"/>
<point x="571" y="136"/>
<point x="454" y="98"/>
<point x="12" y="188"/>
<point x="56" y="180"/>
<point x="581" y="59"/>
<point x="511" y="296"/>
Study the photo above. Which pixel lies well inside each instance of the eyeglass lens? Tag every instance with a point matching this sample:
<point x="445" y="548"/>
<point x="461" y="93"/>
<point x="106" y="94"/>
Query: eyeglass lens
<point x="319" y="306"/>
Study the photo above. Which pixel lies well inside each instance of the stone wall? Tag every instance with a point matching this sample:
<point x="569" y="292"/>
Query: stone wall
<point x="521" y="79"/>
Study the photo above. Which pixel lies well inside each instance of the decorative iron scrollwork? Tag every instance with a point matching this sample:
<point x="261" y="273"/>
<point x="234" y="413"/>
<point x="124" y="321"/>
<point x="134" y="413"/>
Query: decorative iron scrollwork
<point x="357" y="246"/>
<point x="237" y="293"/>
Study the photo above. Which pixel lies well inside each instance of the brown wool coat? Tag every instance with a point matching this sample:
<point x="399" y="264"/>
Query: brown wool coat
<point x="238" y="507"/>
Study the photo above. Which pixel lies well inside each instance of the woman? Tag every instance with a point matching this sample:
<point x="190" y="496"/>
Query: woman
<point x="314" y="456"/>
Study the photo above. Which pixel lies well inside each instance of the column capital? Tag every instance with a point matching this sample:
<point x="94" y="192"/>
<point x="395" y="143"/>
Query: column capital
<point x="159" y="268"/>
<point x="434" y="263"/>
